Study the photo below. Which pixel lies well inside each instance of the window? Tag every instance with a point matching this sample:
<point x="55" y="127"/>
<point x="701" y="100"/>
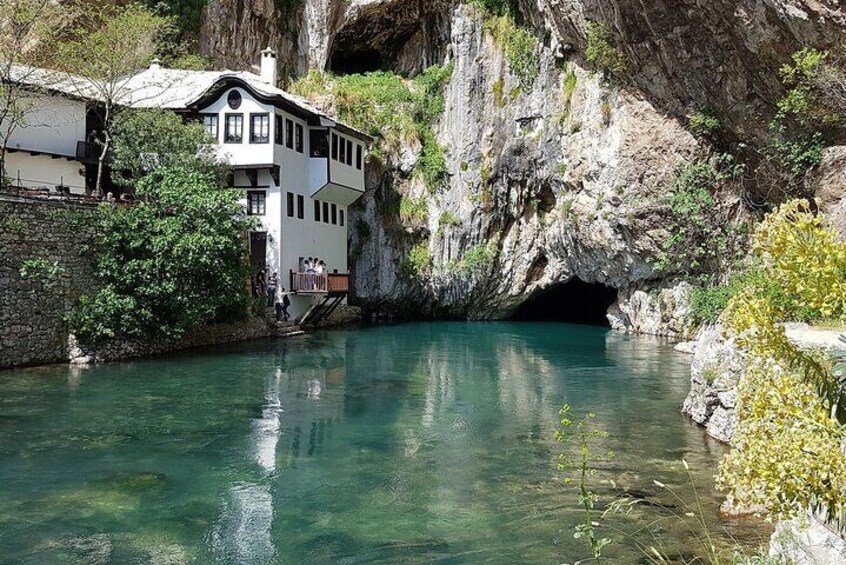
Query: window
<point x="290" y="204"/>
<point x="259" y="128"/>
<point x="210" y="124"/>
<point x="300" y="207"/>
<point x="299" y="138"/>
<point x="289" y="134"/>
<point x="349" y="152"/>
<point x="318" y="143"/>
<point x="278" y="135"/>
<point x="342" y="153"/>
<point x="256" y="203"/>
<point x="342" y="217"/>
<point x="316" y="210"/>
<point x="335" y="146"/>
<point x="335" y="214"/>
<point x="325" y="212"/>
<point x="234" y="128"/>
<point x="358" y="156"/>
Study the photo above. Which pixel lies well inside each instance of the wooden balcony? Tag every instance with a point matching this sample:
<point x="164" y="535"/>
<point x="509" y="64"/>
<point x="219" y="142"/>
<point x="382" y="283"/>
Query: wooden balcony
<point x="332" y="284"/>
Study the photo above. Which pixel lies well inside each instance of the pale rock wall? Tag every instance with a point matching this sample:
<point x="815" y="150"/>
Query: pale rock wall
<point x="576" y="187"/>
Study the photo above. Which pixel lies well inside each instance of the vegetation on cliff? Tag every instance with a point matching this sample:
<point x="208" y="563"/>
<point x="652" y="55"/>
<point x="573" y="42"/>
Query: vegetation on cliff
<point x="788" y="447"/>
<point x="391" y="109"/>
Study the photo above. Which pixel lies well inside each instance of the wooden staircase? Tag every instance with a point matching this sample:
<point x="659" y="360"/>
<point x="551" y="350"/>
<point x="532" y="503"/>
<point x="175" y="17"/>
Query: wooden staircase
<point x="321" y="310"/>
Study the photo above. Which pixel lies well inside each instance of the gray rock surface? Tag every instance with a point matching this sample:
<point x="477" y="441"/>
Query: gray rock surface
<point x="564" y="184"/>
<point x="714" y="373"/>
<point x="807" y="541"/>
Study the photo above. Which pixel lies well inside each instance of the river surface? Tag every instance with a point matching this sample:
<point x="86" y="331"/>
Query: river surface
<point x="418" y="443"/>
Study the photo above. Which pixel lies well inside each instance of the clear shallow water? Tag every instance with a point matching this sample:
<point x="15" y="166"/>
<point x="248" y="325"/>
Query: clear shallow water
<point x="416" y="443"/>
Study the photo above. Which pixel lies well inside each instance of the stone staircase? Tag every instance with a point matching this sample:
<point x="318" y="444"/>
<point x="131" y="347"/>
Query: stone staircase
<point x="286" y="329"/>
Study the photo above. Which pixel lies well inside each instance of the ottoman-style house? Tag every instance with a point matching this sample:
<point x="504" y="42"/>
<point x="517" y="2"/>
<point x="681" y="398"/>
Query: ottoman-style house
<point x="299" y="169"/>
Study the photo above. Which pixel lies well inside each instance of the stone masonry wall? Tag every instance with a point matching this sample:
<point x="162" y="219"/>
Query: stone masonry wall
<point x="32" y="330"/>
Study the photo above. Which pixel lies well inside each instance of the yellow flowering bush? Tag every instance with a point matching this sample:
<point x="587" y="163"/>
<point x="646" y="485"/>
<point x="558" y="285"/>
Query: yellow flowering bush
<point x="787" y="448"/>
<point x="805" y="258"/>
<point x="789" y="443"/>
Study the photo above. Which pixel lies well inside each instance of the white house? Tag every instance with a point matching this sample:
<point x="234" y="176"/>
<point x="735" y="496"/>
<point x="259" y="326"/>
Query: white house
<point x="299" y="169"/>
<point x="42" y="151"/>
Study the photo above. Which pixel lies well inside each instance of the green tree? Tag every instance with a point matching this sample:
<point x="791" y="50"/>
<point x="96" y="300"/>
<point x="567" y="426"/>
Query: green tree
<point x="110" y="43"/>
<point x="144" y="141"/>
<point x="173" y="261"/>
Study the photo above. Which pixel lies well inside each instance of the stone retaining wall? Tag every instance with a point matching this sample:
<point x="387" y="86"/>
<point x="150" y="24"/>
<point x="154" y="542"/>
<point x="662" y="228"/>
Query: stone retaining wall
<point x="32" y="330"/>
<point x="214" y="334"/>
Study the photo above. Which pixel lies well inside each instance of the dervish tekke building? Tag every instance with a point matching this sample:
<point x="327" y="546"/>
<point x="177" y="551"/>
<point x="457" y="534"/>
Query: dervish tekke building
<point x="299" y="169"/>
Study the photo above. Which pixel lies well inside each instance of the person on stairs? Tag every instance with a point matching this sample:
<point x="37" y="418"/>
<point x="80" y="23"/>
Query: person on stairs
<point x="282" y="304"/>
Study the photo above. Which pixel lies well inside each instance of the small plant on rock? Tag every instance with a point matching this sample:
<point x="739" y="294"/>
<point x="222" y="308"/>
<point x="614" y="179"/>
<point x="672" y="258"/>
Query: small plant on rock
<point x="601" y="51"/>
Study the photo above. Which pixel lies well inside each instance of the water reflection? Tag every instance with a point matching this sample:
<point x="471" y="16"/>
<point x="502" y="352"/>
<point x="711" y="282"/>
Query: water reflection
<point x="393" y="444"/>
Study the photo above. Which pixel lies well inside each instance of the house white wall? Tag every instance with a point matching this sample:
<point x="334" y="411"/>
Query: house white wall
<point x="43" y="171"/>
<point x="289" y="236"/>
<point x="54" y="124"/>
<point x="244" y="153"/>
<point x="340" y="172"/>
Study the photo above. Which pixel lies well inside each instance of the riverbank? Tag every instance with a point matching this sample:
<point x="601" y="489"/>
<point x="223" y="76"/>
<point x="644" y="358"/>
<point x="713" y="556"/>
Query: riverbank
<point x="717" y="366"/>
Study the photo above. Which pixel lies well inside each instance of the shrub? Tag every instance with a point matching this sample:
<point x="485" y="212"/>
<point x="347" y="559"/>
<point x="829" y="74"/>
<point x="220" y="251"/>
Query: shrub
<point x="701" y="239"/>
<point x="804" y="258"/>
<point x="432" y="162"/>
<point x="788" y="446"/>
<point x="43" y="271"/>
<point x="708" y="302"/>
<point x="417" y="263"/>
<point x="601" y="51"/>
<point x="704" y="123"/>
<point x="448" y="219"/>
<point x="413" y="211"/>
<point x="520" y="47"/>
<point x="389" y="108"/>
<point x="146" y="140"/>
<point x="816" y="85"/>
<point x="499" y="93"/>
<point x="166" y="264"/>
<point x="478" y="259"/>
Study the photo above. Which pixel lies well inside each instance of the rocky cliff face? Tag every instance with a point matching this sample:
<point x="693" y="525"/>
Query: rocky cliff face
<point x="562" y="176"/>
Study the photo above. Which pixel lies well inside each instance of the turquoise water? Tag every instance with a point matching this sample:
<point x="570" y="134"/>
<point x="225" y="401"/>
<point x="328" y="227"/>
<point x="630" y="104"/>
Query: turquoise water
<point x="417" y="443"/>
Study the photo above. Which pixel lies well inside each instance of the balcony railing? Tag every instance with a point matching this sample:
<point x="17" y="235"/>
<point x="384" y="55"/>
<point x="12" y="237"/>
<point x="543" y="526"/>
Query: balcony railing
<point x="327" y="283"/>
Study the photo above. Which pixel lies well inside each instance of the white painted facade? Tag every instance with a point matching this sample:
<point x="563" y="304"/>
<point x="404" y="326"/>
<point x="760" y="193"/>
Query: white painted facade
<point x="42" y="151"/>
<point x="303" y="215"/>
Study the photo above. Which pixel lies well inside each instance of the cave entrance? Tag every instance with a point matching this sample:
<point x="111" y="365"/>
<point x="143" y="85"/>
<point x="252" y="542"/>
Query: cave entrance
<point x="345" y="62"/>
<point x="575" y="302"/>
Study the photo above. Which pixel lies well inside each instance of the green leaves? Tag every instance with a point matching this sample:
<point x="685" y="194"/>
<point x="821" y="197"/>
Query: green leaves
<point x="146" y="140"/>
<point x="168" y="263"/>
<point x="586" y="448"/>
<point x="601" y="51"/>
<point x="701" y="237"/>
<point x="790" y="402"/>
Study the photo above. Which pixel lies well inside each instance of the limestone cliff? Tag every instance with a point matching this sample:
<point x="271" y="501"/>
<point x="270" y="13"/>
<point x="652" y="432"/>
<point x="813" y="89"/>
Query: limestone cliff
<point x="561" y="176"/>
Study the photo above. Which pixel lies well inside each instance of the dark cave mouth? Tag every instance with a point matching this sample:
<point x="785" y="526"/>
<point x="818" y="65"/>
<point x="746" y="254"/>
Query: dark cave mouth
<point x="573" y="302"/>
<point x="343" y="62"/>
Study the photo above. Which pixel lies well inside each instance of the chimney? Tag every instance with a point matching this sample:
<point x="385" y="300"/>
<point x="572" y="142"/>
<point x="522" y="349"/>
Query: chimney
<point x="268" y="66"/>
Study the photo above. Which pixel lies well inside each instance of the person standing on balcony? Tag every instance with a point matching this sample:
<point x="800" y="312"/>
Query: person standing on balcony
<point x="272" y="285"/>
<point x="320" y="268"/>
<point x="309" y="265"/>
